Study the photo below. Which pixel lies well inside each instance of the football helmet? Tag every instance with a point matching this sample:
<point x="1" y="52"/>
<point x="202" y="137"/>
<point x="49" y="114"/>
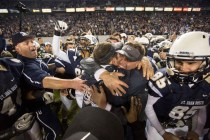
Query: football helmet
<point x="143" y="40"/>
<point x="191" y="46"/>
<point x="91" y="38"/>
<point x="165" y="45"/>
<point x="149" y="35"/>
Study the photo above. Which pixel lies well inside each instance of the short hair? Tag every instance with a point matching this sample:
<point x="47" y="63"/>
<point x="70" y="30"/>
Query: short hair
<point x="113" y="38"/>
<point x="103" y="53"/>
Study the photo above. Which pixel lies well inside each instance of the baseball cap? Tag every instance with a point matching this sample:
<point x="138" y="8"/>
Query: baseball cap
<point x="47" y="43"/>
<point x="95" y="123"/>
<point x="131" y="53"/>
<point x="20" y="37"/>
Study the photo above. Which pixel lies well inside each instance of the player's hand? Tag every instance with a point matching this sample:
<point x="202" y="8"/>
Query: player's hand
<point x="191" y="135"/>
<point x="147" y="68"/>
<point x="79" y="84"/>
<point x="98" y="97"/>
<point x="170" y="136"/>
<point x="135" y="108"/>
<point x="60" y="26"/>
<point x="111" y="81"/>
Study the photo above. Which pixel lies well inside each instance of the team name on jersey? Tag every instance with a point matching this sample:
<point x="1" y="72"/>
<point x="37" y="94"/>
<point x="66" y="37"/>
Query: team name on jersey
<point x="192" y="103"/>
<point x="8" y="92"/>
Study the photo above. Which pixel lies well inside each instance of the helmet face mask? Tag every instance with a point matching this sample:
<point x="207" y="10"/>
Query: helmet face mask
<point x="192" y="46"/>
<point x="191" y="77"/>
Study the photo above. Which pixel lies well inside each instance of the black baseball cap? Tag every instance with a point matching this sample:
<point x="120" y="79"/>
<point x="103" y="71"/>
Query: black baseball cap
<point x="130" y="52"/>
<point x="20" y="37"/>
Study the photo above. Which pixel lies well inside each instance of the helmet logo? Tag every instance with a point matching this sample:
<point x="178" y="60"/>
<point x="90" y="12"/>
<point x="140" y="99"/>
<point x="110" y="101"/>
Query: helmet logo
<point x="185" y="53"/>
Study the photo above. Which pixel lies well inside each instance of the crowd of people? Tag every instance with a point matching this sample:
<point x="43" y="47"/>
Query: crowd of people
<point x="58" y="4"/>
<point x="41" y="25"/>
<point x="150" y="79"/>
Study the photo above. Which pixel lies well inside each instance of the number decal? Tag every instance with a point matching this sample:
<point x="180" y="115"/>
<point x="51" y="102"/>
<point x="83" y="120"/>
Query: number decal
<point x="160" y="82"/>
<point x="184" y="112"/>
<point x="178" y="112"/>
<point x="157" y="76"/>
<point x="79" y="71"/>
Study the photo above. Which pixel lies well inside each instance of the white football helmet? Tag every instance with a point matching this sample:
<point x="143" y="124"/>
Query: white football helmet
<point x="92" y="39"/>
<point x="191" y="46"/>
<point x="143" y="40"/>
<point x="165" y="44"/>
<point x="149" y="35"/>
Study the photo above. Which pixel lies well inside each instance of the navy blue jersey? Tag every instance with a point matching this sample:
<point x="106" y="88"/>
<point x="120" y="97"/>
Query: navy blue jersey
<point x="72" y="69"/>
<point x="74" y="57"/>
<point x="35" y="70"/>
<point x="136" y="82"/>
<point x="177" y="103"/>
<point x="134" y="78"/>
<point x="10" y="95"/>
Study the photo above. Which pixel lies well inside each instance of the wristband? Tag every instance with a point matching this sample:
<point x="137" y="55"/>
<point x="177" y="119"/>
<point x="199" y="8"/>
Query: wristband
<point x="57" y="33"/>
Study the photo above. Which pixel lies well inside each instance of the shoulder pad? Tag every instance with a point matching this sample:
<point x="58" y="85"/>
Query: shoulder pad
<point x="2" y="68"/>
<point x="208" y="79"/>
<point x="159" y="80"/>
<point x="157" y="76"/>
<point x="89" y="65"/>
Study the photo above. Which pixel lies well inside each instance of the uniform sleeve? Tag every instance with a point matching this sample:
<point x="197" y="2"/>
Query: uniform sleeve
<point x="98" y="73"/>
<point x="16" y="66"/>
<point x="151" y="115"/>
<point x="34" y="75"/>
<point x="57" y="51"/>
<point x="79" y="97"/>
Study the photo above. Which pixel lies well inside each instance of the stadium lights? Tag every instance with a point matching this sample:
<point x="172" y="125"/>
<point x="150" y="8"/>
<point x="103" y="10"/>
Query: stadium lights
<point x="119" y="9"/>
<point x="139" y="9"/>
<point x="109" y="8"/>
<point x="158" y="8"/>
<point x="196" y="9"/>
<point x="168" y="9"/>
<point x="70" y="9"/>
<point x="80" y="9"/>
<point x="149" y="8"/>
<point x="4" y="11"/>
<point x="129" y="8"/>
<point x="90" y="9"/>
<point x="47" y="10"/>
<point x="36" y="10"/>
<point x="177" y="9"/>
<point x="186" y="9"/>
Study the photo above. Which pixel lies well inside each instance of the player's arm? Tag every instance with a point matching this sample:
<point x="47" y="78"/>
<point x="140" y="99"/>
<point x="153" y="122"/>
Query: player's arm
<point x="151" y="115"/>
<point x="56" y="43"/>
<point x="112" y="81"/>
<point x="57" y="83"/>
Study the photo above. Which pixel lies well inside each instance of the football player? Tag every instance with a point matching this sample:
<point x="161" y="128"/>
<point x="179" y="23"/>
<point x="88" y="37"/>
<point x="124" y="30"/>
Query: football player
<point x="182" y="93"/>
